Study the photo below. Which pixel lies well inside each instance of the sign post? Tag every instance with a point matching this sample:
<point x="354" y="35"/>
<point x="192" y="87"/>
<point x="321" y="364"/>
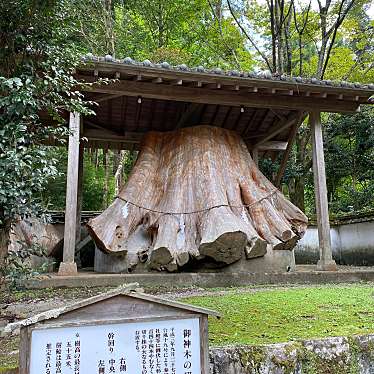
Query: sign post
<point x="122" y="331"/>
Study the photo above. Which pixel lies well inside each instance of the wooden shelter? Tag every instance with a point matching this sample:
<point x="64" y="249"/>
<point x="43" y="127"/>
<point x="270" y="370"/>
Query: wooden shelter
<point x="265" y="110"/>
<point x="117" y="330"/>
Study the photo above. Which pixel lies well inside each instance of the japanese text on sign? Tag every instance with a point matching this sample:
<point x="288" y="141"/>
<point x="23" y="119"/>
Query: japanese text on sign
<point x="157" y="347"/>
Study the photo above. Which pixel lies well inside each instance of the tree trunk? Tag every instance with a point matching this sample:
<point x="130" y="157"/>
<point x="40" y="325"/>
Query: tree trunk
<point x="196" y="193"/>
<point x="106" y="177"/>
<point x="297" y="192"/>
<point x="118" y="175"/>
<point x="4" y="242"/>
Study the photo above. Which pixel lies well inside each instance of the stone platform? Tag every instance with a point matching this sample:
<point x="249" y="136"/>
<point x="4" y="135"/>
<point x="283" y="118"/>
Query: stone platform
<point x="335" y="355"/>
<point x="305" y="274"/>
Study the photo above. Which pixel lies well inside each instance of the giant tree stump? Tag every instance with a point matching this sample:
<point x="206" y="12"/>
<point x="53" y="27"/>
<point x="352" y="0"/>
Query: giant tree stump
<point x="196" y="193"/>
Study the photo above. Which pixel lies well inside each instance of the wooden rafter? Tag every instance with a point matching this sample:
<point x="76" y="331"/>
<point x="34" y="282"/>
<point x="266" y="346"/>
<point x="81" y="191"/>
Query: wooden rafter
<point x="273" y="146"/>
<point x="239" y="116"/>
<point x="227" y="115"/>
<point x="188" y="114"/>
<point x="224" y="97"/>
<point x="153" y="108"/>
<point x="105" y="97"/>
<point x="214" y="115"/>
<point x="250" y="120"/>
<point x="123" y="110"/>
<point x="279" y="127"/>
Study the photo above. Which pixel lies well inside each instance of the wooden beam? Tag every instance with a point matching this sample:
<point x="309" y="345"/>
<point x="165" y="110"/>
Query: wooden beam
<point x="197" y="84"/>
<point x="238" y="117"/>
<point x="178" y="82"/>
<point x="215" y="112"/>
<point x="273" y="146"/>
<point x="280" y="116"/>
<point x="286" y="155"/>
<point x="223" y="97"/>
<point x="227" y="115"/>
<point x="213" y="86"/>
<point x="68" y="265"/>
<point x="105" y="97"/>
<point x="189" y="76"/>
<point x="152" y="116"/>
<point x="326" y="261"/>
<point x="249" y="122"/>
<point x="279" y="127"/>
<point x="113" y="144"/>
<point x="108" y="135"/>
<point x="99" y="127"/>
<point x="188" y="114"/>
<point x="124" y="107"/>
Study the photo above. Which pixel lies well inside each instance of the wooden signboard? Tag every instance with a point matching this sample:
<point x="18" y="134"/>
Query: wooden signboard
<point x="122" y="331"/>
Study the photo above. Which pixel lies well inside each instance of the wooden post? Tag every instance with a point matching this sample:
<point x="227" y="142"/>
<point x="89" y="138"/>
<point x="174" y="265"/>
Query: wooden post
<point x="68" y="265"/>
<point x="79" y="200"/>
<point x="326" y="261"/>
<point x="79" y="192"/>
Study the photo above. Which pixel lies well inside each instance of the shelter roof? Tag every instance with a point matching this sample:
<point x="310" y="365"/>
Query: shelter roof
<point x="142" y="96"/>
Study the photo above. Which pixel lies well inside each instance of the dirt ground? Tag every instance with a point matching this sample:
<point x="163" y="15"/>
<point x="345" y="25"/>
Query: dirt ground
<point x="17" y="305"/>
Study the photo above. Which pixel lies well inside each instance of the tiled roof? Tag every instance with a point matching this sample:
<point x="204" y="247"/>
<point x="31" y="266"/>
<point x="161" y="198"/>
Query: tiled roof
<point x="264" y="75"/>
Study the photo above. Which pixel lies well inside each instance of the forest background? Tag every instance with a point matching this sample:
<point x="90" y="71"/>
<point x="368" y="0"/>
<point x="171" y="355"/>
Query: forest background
<point x="42" y="41"/>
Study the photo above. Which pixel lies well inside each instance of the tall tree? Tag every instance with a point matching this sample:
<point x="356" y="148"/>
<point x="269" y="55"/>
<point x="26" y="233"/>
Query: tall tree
<point x="295" y="39"/>
<point x="36" y="66"/>
<point x="350" y="160"/>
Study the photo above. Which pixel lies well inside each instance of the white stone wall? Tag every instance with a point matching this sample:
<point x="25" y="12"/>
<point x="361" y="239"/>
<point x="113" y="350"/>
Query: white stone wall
<point x="352" y="244"/>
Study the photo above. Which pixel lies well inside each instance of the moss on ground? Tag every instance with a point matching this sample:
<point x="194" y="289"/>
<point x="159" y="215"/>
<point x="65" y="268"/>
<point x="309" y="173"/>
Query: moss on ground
<point x="255" y="315"/>
<point x="8" y="353"/>
<point x="281" y="315"/>
<point x="8" y="296"/>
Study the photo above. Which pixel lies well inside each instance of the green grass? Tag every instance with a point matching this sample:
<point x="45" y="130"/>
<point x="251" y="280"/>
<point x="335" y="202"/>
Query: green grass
<point x="8" y="357"/>
<point x="270" y="316"/>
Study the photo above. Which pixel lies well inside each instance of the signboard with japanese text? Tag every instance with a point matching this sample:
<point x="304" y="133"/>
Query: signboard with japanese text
<point x="154" y="347"/>
<point x="121" y="331"/>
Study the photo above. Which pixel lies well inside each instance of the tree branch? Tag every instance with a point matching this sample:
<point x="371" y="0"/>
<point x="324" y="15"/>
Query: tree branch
<point x="249" y="37"/>
<point x="341" y="16"/>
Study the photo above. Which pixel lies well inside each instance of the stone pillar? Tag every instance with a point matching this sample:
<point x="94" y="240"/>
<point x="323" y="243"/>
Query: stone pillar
<point x="326" y="261"/>
<point x="68" y="265"/>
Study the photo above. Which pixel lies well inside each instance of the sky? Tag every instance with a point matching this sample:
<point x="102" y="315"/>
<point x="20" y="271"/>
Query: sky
<point x="370" y="11"/>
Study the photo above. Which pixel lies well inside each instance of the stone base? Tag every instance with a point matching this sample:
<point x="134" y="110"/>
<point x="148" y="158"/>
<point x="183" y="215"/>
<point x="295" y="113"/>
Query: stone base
<point x="67" y="268"/>
<point x="110" y="263"/>
<point x="279" y="261"/>
<point x="327" y="265"/>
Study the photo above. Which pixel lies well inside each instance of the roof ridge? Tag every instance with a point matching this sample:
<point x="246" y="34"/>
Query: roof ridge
<point x="263" y="74"/>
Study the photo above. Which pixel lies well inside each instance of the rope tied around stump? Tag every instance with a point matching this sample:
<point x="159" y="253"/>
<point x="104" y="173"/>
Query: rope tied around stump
<point x="269" y="195"/>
